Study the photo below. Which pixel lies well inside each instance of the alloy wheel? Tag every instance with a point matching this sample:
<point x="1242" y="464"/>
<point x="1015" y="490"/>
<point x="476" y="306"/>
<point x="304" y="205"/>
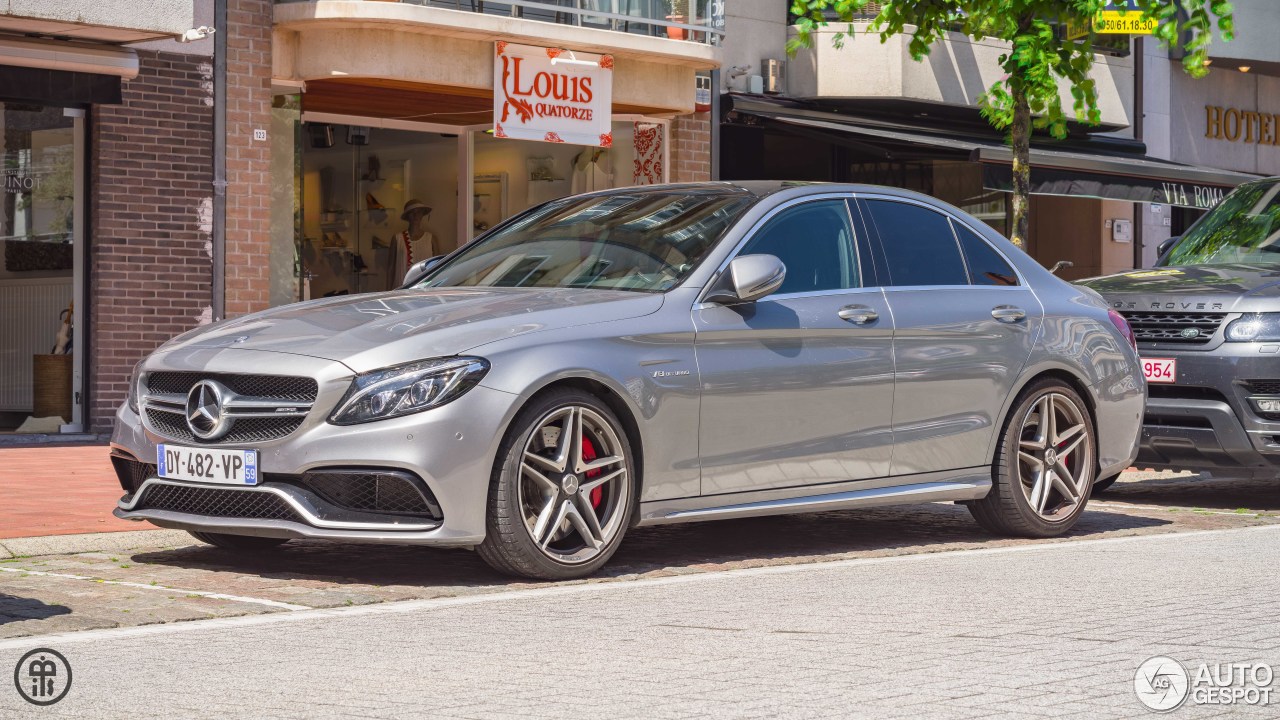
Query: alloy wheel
<point x="573" y="484"/>
<point x="1055" y="457"/>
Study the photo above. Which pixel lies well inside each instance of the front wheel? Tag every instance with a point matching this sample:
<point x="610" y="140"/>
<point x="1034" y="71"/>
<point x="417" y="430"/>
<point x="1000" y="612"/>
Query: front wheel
<point x="1044" y="465"/>
<point x="561" y="497"/>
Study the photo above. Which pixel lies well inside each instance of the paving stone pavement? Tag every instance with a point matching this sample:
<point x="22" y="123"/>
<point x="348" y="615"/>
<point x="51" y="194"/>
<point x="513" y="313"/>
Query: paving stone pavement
<point x="1051" y="630"/>
<point x="189" y="582"/>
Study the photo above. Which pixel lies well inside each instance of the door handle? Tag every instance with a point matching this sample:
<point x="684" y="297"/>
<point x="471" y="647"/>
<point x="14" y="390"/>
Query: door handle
<point x="1008" y="313"/>
<point x="858" y="314"/>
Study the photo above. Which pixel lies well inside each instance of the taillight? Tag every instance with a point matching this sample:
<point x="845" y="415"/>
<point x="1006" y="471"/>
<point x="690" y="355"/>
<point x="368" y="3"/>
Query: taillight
<point x="1123" y="326"/>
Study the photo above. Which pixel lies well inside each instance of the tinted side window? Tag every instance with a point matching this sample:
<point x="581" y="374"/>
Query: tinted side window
<point x="919" y="247"/>
<point x="986" y="266"/>
<point x="815" y="242"/>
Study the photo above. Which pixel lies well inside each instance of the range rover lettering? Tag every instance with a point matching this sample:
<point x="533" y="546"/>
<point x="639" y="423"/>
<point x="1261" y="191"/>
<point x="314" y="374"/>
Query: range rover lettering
<point x="644" y="356"/>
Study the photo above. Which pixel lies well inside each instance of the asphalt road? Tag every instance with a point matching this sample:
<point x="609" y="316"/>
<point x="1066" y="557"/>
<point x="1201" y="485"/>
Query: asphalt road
<point x="897" y="612"/>
<point x="1028" y="631"/>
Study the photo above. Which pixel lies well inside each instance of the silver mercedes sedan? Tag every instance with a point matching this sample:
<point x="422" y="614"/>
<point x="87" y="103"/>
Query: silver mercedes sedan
<point x="642" y="356"/>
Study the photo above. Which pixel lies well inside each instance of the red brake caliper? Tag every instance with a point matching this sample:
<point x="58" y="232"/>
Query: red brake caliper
<point x="589" y="454"/>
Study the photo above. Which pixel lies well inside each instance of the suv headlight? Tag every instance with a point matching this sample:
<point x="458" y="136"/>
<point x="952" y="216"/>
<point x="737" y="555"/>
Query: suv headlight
<point x="1258" y="326"/>
<point x="407" y="389"/>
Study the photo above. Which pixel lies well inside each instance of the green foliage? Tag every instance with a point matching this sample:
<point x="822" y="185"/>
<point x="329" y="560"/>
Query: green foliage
<point x="1040" y="56"/>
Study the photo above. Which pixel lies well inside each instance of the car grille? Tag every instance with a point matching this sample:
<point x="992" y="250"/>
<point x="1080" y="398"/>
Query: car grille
<point x="372" y="491"/>
<point x="245" y="430"/>
<point x="1263" y="387"/>
<point x="217" y="502"/>
<point x="269" y="387"/>
<point x="167" y="392"/>
<point x="1168" y="327"/>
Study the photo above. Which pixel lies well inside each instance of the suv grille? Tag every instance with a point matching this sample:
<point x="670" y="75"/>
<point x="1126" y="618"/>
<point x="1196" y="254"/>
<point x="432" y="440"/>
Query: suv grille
<point x="1168" y="327"/>
<point x="1264" y="387"/>
<point x="217" y="502"/>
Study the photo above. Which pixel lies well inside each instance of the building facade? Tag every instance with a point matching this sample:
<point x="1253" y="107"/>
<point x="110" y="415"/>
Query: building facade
<point x="161" y="185"/>
<point x="869" y="112"/>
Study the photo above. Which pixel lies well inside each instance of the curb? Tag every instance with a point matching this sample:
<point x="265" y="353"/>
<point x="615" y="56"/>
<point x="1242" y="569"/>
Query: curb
<point x="92" y="542"/>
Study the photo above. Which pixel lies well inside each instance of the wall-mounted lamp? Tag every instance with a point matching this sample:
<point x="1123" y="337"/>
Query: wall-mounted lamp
<point x="1246" y="68"/>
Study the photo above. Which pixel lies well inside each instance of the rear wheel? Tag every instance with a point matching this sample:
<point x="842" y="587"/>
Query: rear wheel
<point x="560" y="500"/>
<point x="1044" y="465"/>
<point x="241" y="543"/>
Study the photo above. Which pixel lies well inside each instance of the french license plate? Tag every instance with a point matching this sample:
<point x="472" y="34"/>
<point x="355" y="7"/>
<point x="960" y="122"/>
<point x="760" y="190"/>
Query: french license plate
<point x="225" y="467"/>
<point x="1160" y="370"/>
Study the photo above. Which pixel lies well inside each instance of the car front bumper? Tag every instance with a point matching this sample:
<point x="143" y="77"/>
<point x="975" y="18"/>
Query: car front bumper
<point x="1206" y="420"/>
<point x="448" y="452"/>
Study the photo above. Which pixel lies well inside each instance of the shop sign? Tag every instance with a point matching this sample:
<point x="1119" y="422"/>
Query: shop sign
<point x="20" y="183"/>
<point x="1077" y="183"/>
<point x="552" y="95"/>
<point x="1236" y="125"/>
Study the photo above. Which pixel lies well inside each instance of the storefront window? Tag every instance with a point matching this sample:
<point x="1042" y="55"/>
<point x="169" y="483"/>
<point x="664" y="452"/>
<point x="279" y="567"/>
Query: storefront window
<point x="37" y="260"/>
<point x="375" y="200"/>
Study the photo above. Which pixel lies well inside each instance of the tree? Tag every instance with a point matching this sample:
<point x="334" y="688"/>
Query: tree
<point x="1040" y="56"/>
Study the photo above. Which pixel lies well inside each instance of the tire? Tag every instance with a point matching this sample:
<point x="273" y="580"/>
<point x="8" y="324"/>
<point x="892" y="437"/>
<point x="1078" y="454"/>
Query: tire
<point x="548" y="518"/>
<point x="239" y="543"/>
<point x="1017" y="482"/>
<point x="1104" y="483"/>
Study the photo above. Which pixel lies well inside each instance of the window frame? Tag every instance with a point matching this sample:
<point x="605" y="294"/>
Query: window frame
<point x="883" y="259"/>
<point x="867" y="282"/>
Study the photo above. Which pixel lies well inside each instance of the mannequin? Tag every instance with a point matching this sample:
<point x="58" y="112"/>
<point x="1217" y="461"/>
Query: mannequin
<point x="412" y="245"/>
<point x="591" y="171"/>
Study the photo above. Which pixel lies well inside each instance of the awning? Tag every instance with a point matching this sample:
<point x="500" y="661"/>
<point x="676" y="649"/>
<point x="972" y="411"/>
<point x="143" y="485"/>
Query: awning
<point x="1076" y="172"/>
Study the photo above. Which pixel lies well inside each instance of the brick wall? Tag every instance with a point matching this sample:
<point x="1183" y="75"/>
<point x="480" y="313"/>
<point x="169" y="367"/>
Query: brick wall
<point x="248" y="228"/>
<point x="150" y="205"/>
<point x="691" y="148"/>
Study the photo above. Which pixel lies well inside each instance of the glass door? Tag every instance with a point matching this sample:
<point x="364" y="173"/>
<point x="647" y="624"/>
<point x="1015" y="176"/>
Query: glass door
<point x="40" y="218"/>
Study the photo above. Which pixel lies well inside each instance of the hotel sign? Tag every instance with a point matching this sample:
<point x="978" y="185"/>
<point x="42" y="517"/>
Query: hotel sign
<point x="1236" y="125"/>
<point x="552" y="95"/>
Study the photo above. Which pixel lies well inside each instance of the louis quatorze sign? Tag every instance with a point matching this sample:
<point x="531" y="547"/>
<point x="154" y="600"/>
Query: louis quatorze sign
<point x="552" y="94"/>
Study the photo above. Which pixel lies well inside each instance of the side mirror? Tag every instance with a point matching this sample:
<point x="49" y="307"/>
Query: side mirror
<point x="419" y="270"/>
<point x="1163" y="248"/>
<point x="747" y="279"/>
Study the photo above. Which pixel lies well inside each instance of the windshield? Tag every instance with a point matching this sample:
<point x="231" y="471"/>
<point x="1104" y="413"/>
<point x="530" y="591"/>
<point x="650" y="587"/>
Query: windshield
<point x="1243" y="228"/>
<point x="641" y="241"/>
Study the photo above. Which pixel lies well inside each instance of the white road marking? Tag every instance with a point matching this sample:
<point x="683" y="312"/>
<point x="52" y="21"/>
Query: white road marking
<point x="165" y="588"/>
<point x="574" y="588"/>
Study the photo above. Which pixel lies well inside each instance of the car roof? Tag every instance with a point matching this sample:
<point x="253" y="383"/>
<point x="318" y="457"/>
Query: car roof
<point x="760" y="189"/>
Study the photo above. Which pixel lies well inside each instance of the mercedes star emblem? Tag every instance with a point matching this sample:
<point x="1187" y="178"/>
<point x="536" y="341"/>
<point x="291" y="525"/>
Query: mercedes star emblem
<point x="205" y="414"/>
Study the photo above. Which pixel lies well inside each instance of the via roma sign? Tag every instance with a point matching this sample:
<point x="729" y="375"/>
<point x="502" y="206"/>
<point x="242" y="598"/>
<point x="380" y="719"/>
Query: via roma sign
<point x="553" y="95"/>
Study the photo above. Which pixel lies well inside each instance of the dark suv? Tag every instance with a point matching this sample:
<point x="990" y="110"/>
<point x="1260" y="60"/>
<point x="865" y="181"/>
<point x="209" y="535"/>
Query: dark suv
<point x="1207" y="321"/>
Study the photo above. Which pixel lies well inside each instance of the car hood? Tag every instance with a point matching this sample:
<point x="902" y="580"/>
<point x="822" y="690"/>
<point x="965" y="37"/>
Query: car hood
<point x="366" y="332"/>
<point x="1217" y="280"/>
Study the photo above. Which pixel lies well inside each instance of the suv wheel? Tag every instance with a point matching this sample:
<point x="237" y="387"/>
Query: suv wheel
<point x="561" y="496"/>
<point x="241" y="543"/>
<point x="1044" y="465"/>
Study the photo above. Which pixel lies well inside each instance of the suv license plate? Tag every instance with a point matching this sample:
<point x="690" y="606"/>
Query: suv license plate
<point x="1160" y="370"/>
<point x="225" y="467"/>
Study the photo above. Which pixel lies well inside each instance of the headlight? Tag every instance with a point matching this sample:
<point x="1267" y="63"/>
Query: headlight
<point x="407" y="389"/>
<point x="1258" y="326"/>
<point x="135" y="379"/>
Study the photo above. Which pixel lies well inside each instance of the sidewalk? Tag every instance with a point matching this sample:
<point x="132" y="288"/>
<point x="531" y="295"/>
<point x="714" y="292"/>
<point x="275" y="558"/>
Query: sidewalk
<point x="59" y="491"/>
